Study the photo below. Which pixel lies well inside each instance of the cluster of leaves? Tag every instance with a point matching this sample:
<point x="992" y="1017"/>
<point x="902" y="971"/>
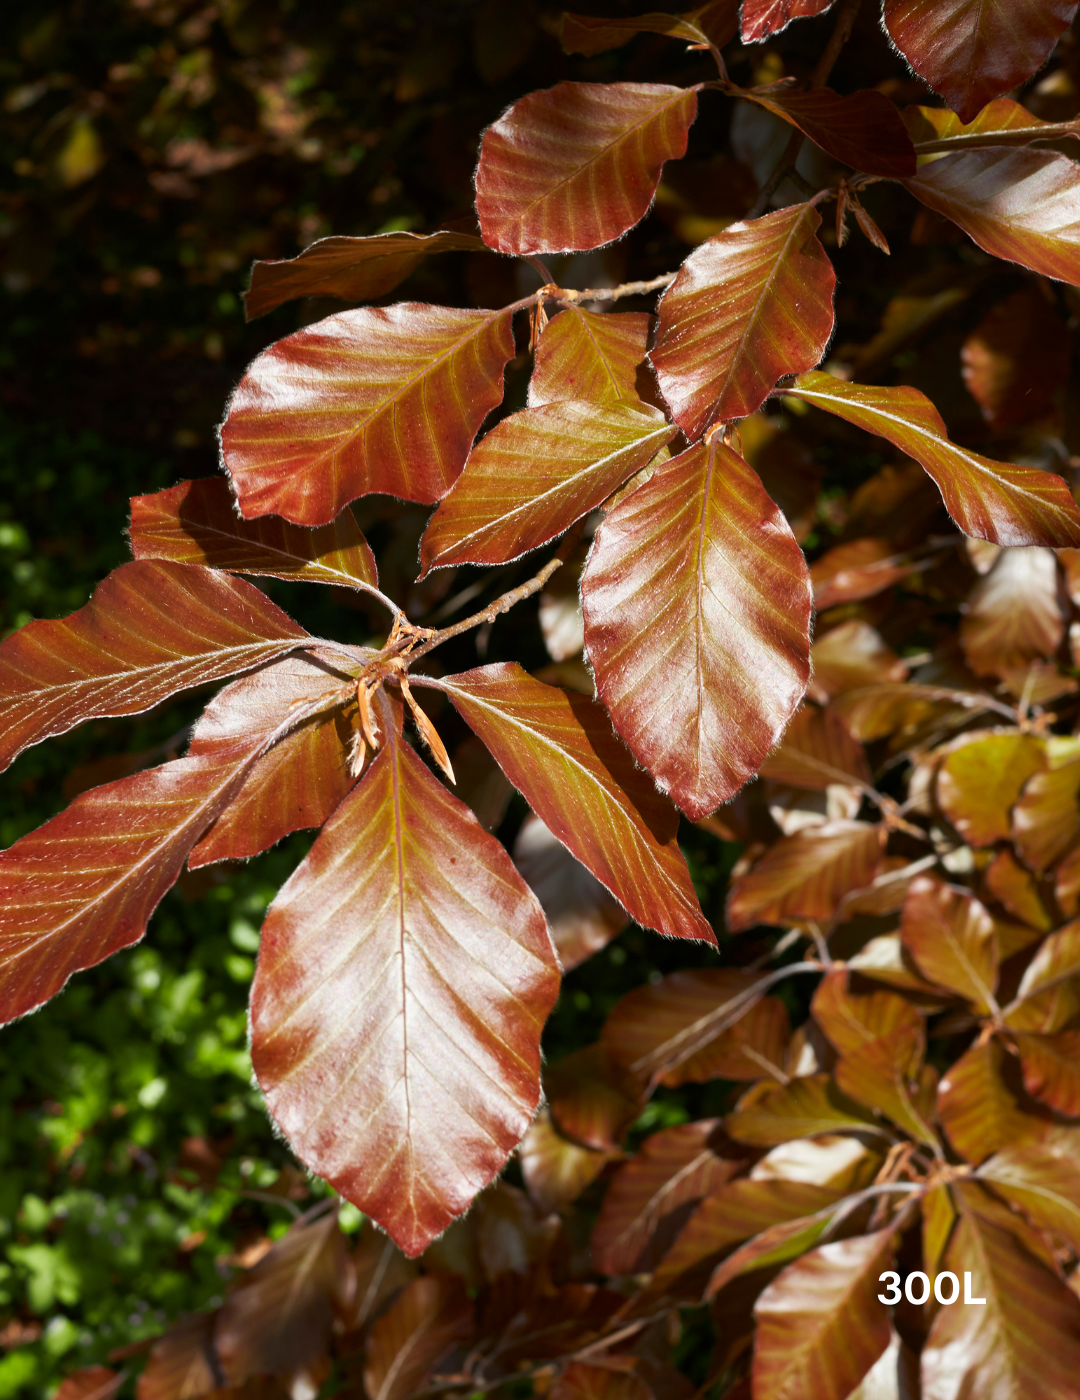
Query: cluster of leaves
<point x="923" y="1111"/>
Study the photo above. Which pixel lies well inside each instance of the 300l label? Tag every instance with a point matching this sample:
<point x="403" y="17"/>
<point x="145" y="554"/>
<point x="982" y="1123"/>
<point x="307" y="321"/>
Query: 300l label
<point x="917" y="1288"/>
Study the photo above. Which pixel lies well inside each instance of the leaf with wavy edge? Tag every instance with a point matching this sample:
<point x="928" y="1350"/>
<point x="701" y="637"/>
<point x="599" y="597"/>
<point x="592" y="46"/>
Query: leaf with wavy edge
<point x="748" y="306"/>
<point x="805" y="876"/>
<point x="196" y="523"/>
<point x="1016" y="204"/>
<point x="820" y="1327"/>
<point x="355" y="269"/>
<point x="714" y="24"/>
<point x="421" y="1325"/>
<point x="995" y="501"/>
<point x="1002" y="122"/>
<point x="1044" y="1184"/>
<point x="591" y="357"/>
<point x="769" y="1114"/>
<point x="537" y="472"/>
<point x="151" y="629"/>
<point x="381" y="399"/>
<point x="978" y="784"/>
<point x="863" y="130"/>
<point x="817" y="751"/>
<point x="762" y="18"/>
<point x="404" y="975"/>
<point x="696" y="602"/>
<point x="971" y="51"/>
<point x="574" y="166"/>
<point x="559" y="751"/>
<point x="952" y="939"/>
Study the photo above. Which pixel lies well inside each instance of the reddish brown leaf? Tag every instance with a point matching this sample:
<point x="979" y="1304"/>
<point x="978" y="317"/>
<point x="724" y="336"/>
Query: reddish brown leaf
<point x="851" y="656"/>
<point x="854" y="1019"/>
<point x="1017" y="359"/>
<point x="581" y="1381"/>
<point x="850" y="572"/>
<point x="592" y="358"/>
<point x="1051" y="1068"/>
<point x="558" y="749"/>
<point x="1046" y="818"/>
<point x="556" y="1169"/>
<point x="697" y="611"/>
<point x="1002" y="122"/>
<point x="279" y="1321"/>
<point x="1044" y="1184"/>
<point x="89" y="1383"/>
<point x="863" y="130"/>
<point x="996" y="501"/>
<point x="537" y="472"/>
<point x="817" y="751"/>
<point x="1058" y="957"/>
<point x="651" y="1194"/>
<point x="771" y="1249"/>
<point x="432" y="1315"/>
<point x="382" y="399"/>
<point x="979" y="1110"/>
<point x="355" y="269"/>
<point x="748" y="306"/>
<point x="978" y="784"/>
<point x="806" y="875"/>
<point x="830" y="1159"/>
<point x="973" y="52"/>
<point x="1016" y="614"/>
<point x="549" y="1326"/>
<point x="819" y="1325"/>
<point x="84" y="885"/>
<point x="406" y="946"/>
<point x="592" y="1098"/>
<point x="381" y="1271"/>
<point x="760" y="18"/>
<point x="1067" y="883"/>
<point x="1015" y="888"/>
<point x="952" y="939"/>
<point x="196" y="523"/>
<point x="576" y="165"/>
<point x="714" y="23"/>
<point x="582" y="915"/>
<point x="769" y="1114"/>
<point x="887" y="1074"/>
<point x="150" y="630"/>
<point x="182" y="1364"/>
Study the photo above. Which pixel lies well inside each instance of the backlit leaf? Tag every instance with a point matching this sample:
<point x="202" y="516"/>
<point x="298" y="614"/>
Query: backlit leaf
<point x="537" y="472"/>
<point x="996" y="501"/>
<point x="747" y="306"/>
<point x="1016" y="361"/>
<point x="887" y="1074"/>
<point x="582" y="915"/>
<point x="557" y="1169"/>
<point x="196" y="523"/>
<point x="978" y="784"/>
<point x="697" y="609"/>
<point x="1044" y="1184"/>
<point x="760" y="18"/>
<point x="806" y="875"/>
<point x="714" y="23"/>
<point x="863" y="130"/>
<point x="1002" y="122"/>
<point x="1051" y="1068"/>
<point x="558" y="749"/>
<point x="978" y="1109"/>
<point x="151" y="629"/>
<point x="971" y="51"/>
<point x="819" y="1325"/>
<point x="817" y="751"/>
<point x="1015" y="615"/>
<point x="769" y="1114"/>
<point x="952" y="939"/>
<point x="1046" y="817"/>
<point x="404" y="974"/>
<point x="430" y="1316"/>
<point x="355" y="269"/>
<point x="592" y="358"/>
<point x="574" y="166"/>
<point x="852" y="1019"/>
<point x="381" y="399"/>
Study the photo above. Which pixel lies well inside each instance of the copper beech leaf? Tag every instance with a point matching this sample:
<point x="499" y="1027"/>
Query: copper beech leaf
<point x="537" y="472"/>
<point x="952" y="939"/>
<point x="1015" y="615"/>
<point x="559" y="751"/>
<point x="574" y="166"/>
<point x="887" y="1074"/>
<point x="1002" y="122"/>
<point x="750" y="305"/>
<point x="1016" y="361"/>
<point x="805" y="876"/>
<point x="355" y="269"/>
<point x="1046" y="816"/>
<point x="1051" y="1069"/>
<point x="592" y="1098"/>
<point x="714" y="23"/>
<point x="979" y="1111"/>
<point x="404" y="974"/>
<point x="1044" y="1184"/>
<point x="582" y="1381"/>
<point x="820" y="1326"/>
<point x="853" y="1019"/>
<point x="557" y="1169"/>
<point x="89" y="1383"/>
<point x="863" y="130"/>
<point x="996" y="501"/>
<point x="582" y="915"/>
<point x="971" y="51"/>
<point x="421" y="1325"/>
<point x="769" y="1114"/>
<point x="589" y="357"/>
<point x="151" y="629"/>
<point x="696" y="602"/>
<point x="860" y="569"/>
<point x="760" y="18"/>
<point x="1058" y="957"/>
<point x="817" y="751"/>
<point x="181" y="1363"/>
<point x="196" y="523"/>
<point x="978" y="784"/>
<point x="650" y="1194"/>
<point x="1015" y="203"/>
<point x="381" y="399"/>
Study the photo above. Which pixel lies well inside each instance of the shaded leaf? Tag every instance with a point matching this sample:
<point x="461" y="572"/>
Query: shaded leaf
<point x="714" y="23"/>
<point x="581" y="1381"/>
<point x="817" y="751"/>
<point x="1015" y="615"/>
<point x="537" y="472"/>
<point x="355" y="269"/>
<point x="863" y="130"/>
<point x="1051" y="1068"/>
<point x="938" y="1218"/>
<point x="979" y="1110"/>
<point x="769" y="1114"/>
<point x="549" y="1325"/>
<point x="404" y="974"/>
<point x="1016" y="360"/>
<point x="1044" y="1184"/>
<point x="89" y="1383"/>
<point x="997" y="501"/>
<point x="574" y="166"/>
<point x="196" y="523"/>
<point x="1046" y="817"/>
<point x="978" y="784"/>
<point x="973" y="52"/>
<point x="381" y="399"/>
<point x="697" y="609"/>
<point x="582" y="915"/>
<point x="430" y="1316"/>
<point x="887" y="1074"/>
<point x="1015" y="888"/>
<point x="558" y="749"/>
<point x="182" y="1364"/>
<point x="851" y="656"/>
<point x="592" y="1099"/>
<point x="1058" y="957"/>
<point x="860" y="569"/>
<point x="806" y="875"/>
<point x="760" y="18"/>
<point x="556" y="1169"/>
<point x="819" y="1325"/>
<point x="747" y="306"/>
<point x="772" y="1248"/>
<point x="381" y="1271"/>
<point x="151" y="629"/>
<point x="589" y="357"/>
<point x="952" y="939"/>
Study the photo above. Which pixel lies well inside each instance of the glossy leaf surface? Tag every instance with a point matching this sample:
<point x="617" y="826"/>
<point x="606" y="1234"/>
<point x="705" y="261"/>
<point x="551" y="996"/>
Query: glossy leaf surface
<point x="978" y="784"/>
<point x="382" y="399"/>
<point x="714" y="23"/>
<point x="760" y="18"/>
<point x="1015" y="614"/>
<point x="697" y="607"/>
<point x="1051" y="1069"/>
<point x="1046" y="817"/>
<point x="592" y="358"/>
<point x="748" y="306"/>
<point x="1044" y="1184"/>
<point x="951" y="937"/>
<point x="806" y="875"/>
<point x="863" y="130"/>
<point x="405" y="988"/>
<point x="576" y="165"/>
